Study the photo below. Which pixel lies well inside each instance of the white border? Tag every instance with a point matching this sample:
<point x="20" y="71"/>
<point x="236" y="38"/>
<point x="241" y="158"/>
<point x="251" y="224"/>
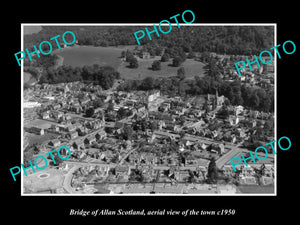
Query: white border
<point x="151" y="24"/>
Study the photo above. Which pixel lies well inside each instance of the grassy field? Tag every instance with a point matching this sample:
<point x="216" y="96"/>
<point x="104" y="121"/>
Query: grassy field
<point x="89" y="55"/>
<point x="191" y="67"/>
<point x="28" y="78"/>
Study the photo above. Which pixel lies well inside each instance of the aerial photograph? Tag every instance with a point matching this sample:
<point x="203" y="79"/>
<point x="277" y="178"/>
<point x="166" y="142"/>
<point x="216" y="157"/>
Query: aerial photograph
<point x="161" y="116"/>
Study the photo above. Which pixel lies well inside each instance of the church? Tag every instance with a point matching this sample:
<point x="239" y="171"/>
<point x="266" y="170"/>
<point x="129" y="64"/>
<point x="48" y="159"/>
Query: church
<point x="214" y="102"/>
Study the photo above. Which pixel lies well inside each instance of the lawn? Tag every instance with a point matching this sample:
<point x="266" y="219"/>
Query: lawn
<point x="191" y="67"/>
<point x="33" y="183"/>
<point x="89" y="55"/>
<point x="28" y="78"/>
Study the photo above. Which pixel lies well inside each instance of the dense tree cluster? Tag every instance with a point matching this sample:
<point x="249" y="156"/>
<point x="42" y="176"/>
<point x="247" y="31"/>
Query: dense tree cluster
<point x="101" y="75"/>
<point x="236" y="40"/>
<point x="44" y="61"/>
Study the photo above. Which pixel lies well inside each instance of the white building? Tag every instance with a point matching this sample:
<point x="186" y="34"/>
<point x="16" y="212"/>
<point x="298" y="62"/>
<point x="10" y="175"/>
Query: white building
<point x="31" y="104"/>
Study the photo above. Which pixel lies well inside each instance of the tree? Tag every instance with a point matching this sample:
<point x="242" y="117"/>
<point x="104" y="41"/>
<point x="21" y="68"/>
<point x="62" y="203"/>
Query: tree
<point x="90" y="112"/>
<point x="181" y="73"/>
<point x="98" y="103"/>
<point x="36" y="149"/>
<point x="123" y="54"/>
<point x="129" y="56"/>
<point x="147" y="83"/>
<point x="191" y="55"/>
<point x="165" y="57"/>
<point x="127" y="133"/>
<point x="133" y="63"/>
<point x="28" y="156"/>
<point x="212" y="172"/>
<point x="177" y="61"/>
<point x="122" y="112"/>
<point x="57" y="160"/>
<point x="156" y="65"/>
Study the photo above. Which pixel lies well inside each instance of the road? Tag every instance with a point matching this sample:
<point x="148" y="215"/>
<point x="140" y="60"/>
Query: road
<point x="128" y="153"/>
<point x="68" y="178"/>
<point x="226" y="157"/>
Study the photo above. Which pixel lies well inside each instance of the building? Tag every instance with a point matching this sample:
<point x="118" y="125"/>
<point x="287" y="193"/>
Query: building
<point x="153" y="95"/>
<point x="36" y="130"/>
<point x="31" y="104"/>
<point x="54" y="142"/>
<point x="89" y="140"/>
<point x="214" y="101"/>
<point x="73" y="134"/>
<point x="217" y="148"/>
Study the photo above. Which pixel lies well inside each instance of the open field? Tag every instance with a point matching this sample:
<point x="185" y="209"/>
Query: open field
<point x="39" y="139"/>
<point x="191" y="67"/>
<point x="34" y="183"/>
<point x="28" y="78"/>
<point x="40" y="123"/>
<point x="89" y="55"/>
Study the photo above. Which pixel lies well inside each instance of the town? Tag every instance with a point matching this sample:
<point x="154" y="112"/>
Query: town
<point x="147" y="141"/>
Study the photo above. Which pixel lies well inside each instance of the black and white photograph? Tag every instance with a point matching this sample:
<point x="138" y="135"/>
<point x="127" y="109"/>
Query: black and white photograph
<point x="159" y="114"/>
<point x="169" y="116"/>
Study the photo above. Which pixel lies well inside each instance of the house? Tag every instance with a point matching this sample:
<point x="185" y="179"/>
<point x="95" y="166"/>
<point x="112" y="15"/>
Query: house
<point x="254" y="114"/>
<point x="122" y="170"/>
<point x="228" y="170"/>
<point x="249" y="180"/>
<point x="203" y="146"/>
<point x="56" y="106"/>
<point x="210" y="115"/>
<point x="182" y="175"/>
<point x="162" y="134"/>
<point x="64" y="151"/>
<point x="266" y="180"/>
<point x="268" y="170"/>
<point x="229" y="137"/>
<point x="46" y="115"/>
<point x="172" y="127"/>
<point x="89" y="140"/>
<point x="57" y="114"/>
<point x="233" y="120"/>
<point x="84" y="101"/>
<point x="70" y="128"/>
<point x="54" y="142"/>
<point x="36" y="130"/>
<point x="240" y="132"/>
<point x="153" y="95"/>
<point x="76" y="109"/>
<point x="146" y="55"/>
<point x="66" y="118"/>
<point x="100" y="135"/>
<point x="73" y="134"/>
<point x="78" y="145"/>
<point x="247" y="171"/>
<point x="217" y="148"/>
<point x="54" y="128"/>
